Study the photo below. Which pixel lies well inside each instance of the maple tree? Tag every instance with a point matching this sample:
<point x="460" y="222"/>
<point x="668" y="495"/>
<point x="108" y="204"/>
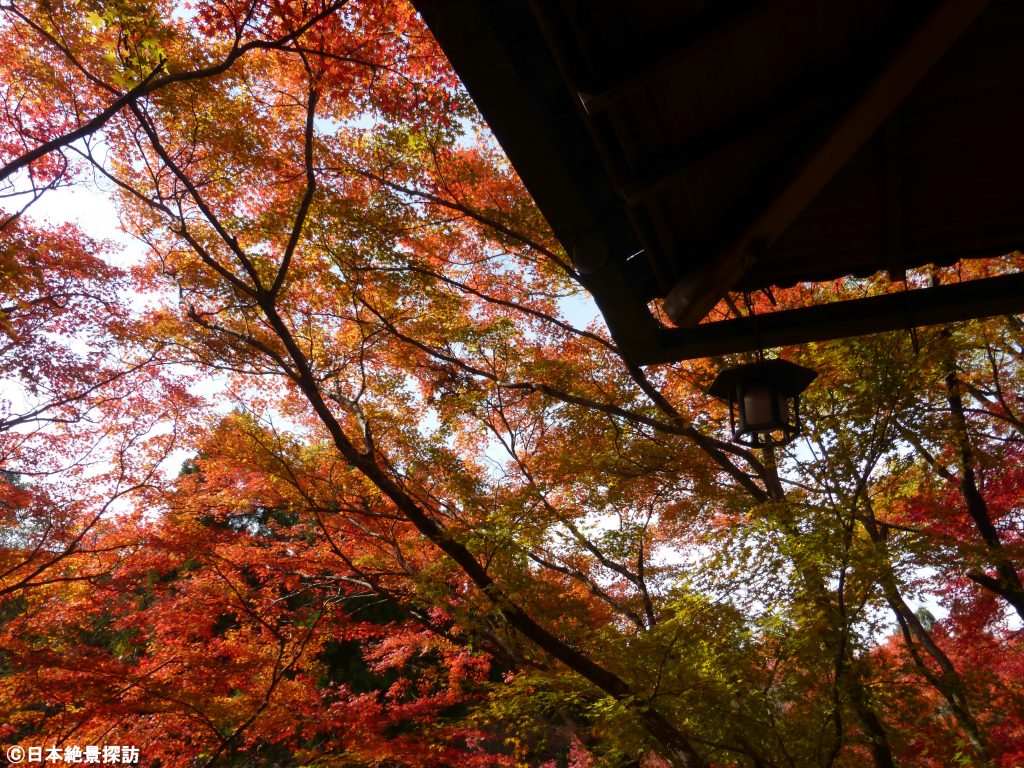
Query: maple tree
<point x="78" y="392"/>
<point x="264" y="659"/>
<point x="444" y="523"/>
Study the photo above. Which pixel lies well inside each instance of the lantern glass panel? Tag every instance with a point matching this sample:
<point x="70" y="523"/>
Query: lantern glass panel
<point x="757" y="406"/>
<point x="785" y="414"/>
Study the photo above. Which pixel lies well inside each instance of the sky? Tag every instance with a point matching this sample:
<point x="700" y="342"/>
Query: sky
<point x="93" y="211"/>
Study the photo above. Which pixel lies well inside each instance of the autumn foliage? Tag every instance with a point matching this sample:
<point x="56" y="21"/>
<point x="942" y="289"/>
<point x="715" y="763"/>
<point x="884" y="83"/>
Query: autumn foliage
<point x="338" y="472"/>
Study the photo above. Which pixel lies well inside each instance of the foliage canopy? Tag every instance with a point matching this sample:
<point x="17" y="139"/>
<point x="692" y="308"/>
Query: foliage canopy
<point x="441" y="521"/>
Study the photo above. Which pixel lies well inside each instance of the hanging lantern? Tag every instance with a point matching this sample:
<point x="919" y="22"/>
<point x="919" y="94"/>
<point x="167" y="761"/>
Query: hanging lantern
<point x="764" y="400"/>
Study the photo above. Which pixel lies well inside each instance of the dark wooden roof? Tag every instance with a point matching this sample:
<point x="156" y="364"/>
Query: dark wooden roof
<point x="684" y="149"/>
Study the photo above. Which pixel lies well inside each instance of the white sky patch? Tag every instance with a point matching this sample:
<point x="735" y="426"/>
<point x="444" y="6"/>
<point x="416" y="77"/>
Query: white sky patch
<point x="580" y="310"/>
<point x="94" y="213"/>
<point x="92" y="209"/>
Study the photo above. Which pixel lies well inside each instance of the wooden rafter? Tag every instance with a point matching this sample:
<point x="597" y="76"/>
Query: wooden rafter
<point x="716" y="23"/>
<point x="696" y="294"/>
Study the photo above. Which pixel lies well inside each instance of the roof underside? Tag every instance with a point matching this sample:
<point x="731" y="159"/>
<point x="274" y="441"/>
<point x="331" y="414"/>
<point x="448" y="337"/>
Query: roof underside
<point x="682" y="150"/>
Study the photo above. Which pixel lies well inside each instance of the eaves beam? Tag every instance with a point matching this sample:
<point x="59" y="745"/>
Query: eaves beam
<point x="1002" y="295"/>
